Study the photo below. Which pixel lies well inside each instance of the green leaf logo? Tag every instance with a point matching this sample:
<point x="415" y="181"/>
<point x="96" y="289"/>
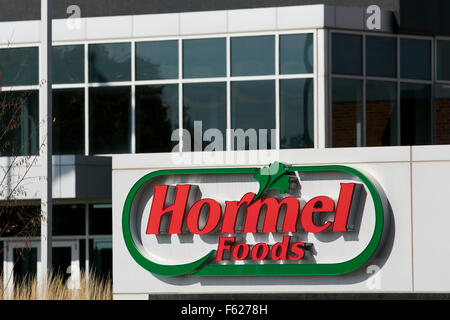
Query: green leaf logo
<point x="272" y="177"/>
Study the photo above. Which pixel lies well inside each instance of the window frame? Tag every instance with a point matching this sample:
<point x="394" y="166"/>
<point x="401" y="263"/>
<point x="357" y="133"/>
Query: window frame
<point x="435" y="66"/>
<point x="398" y="80"/>
<point x="86" y="236"/>
<point x="436" y="82"/>
<point x="18" y="46"/>
<point x="180" y="80"/>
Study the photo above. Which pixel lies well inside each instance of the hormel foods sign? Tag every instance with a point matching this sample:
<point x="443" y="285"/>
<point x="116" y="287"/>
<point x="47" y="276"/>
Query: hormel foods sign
<point x="273" y="221"/>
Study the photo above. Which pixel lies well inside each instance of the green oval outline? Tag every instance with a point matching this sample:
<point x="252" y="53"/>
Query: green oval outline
<point x="197" y="268"/>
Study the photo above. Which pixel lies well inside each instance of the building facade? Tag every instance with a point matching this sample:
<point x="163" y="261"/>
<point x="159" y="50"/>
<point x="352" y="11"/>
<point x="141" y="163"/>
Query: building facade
<point x="307" y="82"/>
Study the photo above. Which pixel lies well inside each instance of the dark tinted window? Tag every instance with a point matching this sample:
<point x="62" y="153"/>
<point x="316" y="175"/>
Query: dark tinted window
<point x="109" y="62"/>
<point x="68" y="64"/>
<point x="204" y="58"/>
<point x="100" y="219"/>
<point x="415" y="59"/>
<point x="25" y="265"/>
<point x="296" y="113"/>
<point x="381" y="56"/>
<point x="19" y="66"/>
<point x="296" y="53"/>
<point x="381" y="113"/>
<point x="109" y="120"/>
<point x="415" y="114"/>
<point x="205" y="102"/>
<point x="347" y="54"/>
<point x="61" y="261"/>
<point x="68" y="117"/>
<point x="156" y="117"/>
<point x="252" y="109"/>
<point x="20" y="221"/>
<point x="100" y="257"/>
<point x="347" y="113"/>
<point x="251" y="56"/>
<point x="19" y="121"/>
<point x="157" y="60"/>
<point x="443" y="60"/>
<point x="69" y="219"/>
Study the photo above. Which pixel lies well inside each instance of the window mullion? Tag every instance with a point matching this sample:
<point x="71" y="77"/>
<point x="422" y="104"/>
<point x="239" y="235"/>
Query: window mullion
<point x="228" y="75"/>
<point x="277" y="94"/>
<point x="180" y="96"/>
<point x="133" y="97"/>
<point x="86" y="99"/>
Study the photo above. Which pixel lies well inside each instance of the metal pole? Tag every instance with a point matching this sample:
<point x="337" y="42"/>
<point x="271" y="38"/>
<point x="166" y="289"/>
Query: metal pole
<point x="45" y="136"/>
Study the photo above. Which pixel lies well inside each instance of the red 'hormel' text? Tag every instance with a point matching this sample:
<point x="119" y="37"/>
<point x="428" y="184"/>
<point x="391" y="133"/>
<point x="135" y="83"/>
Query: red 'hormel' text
<point x="283" y="250"/>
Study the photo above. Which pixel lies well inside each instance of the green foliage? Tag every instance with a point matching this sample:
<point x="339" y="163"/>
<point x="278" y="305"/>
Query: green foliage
<point x="272" y="177"/>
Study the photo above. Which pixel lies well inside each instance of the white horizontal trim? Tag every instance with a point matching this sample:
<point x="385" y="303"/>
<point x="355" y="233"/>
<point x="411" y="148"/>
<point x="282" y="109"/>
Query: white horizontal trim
<point x="19" y="88"/>
<point x="170" y="81"/>
<point x="166" y="25"/>
<point x="191" y="23"/>
<point x="68" y="85"/>
<point x="19" y="32"/>
<point x="203" y="22"/>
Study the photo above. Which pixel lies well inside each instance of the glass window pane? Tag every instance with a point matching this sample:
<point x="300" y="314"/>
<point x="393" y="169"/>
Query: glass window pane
<point x="68" y="219"/>
<point x="19" y="123"/>
<point x="415" y="101"/>
<point x="204" y="58"/>
<point x="100" y="257"/>
<point x="443" y="60"/>
<point x="61" y="262"/>
<point x="68" y="64"/>
<point x="381" y="56"/>
<point x="442" y="114"/>
<point x="25" y="265"/>
<point x="252" y="110"/>
<point x="347" y="54"/>
<point x="296" y="113"/>
<point x="415" y="59"/>
<point x="20" y="221"/>
<point x="347" y="113"/>
<point x="381" y="113"/>
<point x="19" y="66"/>
<point x="156" y="117"/>
<point x="82" y="251"/>
<point x="109" y="120"/>
<point x="100" y="219"/>
<point x="252" y="56"/>
<point x="296" y="53"/>
<point x="109" y="62"/>
<point x="157" y="60"/>
<point x="68" y="125"/>
<point x="205" y="106"/>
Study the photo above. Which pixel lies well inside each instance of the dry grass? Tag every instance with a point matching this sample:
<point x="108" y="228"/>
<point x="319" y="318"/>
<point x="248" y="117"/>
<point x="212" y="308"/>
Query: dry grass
<point x="56" y="289"/>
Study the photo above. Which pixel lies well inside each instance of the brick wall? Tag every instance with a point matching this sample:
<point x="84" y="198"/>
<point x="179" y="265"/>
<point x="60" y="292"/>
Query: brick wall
<point x="344" y="119"/>
<point x="442" y="119"/>
<point x="379" y="123"/>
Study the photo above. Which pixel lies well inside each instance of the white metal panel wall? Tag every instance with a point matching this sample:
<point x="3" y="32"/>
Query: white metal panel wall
<point x="76" y="28"/>
<point x="431" y="218"/>
<point x="415" y="257"/>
